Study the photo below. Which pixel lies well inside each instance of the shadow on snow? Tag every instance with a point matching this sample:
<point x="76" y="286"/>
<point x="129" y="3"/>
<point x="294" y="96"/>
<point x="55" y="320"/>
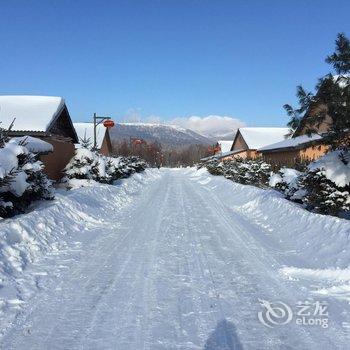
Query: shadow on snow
<point x="224" y="337"/>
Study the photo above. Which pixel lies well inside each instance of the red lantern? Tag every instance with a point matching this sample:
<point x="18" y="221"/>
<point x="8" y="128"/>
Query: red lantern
<point x="108" y="123"/>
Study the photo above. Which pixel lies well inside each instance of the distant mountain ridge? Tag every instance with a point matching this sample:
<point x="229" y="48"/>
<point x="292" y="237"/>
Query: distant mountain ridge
<point x="167" y="135"/>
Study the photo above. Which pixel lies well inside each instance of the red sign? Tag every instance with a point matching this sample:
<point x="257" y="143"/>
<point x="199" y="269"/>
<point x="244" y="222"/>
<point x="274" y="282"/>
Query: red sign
<point x="108" y="123"/>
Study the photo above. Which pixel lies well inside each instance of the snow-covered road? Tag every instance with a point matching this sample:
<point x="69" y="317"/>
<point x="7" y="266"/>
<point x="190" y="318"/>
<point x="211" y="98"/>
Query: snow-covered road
<point x="176" y="269"/>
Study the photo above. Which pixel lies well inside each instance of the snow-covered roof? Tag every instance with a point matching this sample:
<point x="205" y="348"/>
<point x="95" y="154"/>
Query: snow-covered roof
<point x="86" y="130"/>
<point x="225" y="145"/>
<point x="292" y="142"/>
<point x="32" y="113"/>
<point x="33" y="144"/>
<point x="227" y="154"/>
<point x="223" y="155"/>
<point x="259" y="137"/>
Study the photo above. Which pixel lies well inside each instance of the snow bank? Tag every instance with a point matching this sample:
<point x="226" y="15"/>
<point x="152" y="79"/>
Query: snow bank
<point x="327" y="282"/>
<point x="319" y="241"/>
<point x="316" y="248"/>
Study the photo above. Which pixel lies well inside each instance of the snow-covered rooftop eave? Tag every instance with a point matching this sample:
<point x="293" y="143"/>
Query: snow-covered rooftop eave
<point x="278" y="147"/>
<point x="31" y="113"/>
<point x="231" y="153"/>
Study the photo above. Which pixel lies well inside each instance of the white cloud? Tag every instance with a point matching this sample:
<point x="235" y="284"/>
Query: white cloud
<point x="212" y="125"/>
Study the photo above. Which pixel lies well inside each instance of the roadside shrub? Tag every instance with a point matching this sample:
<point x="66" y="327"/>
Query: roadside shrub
<point x="22" y="180"/>
<point x="327" y="184"/>
<point x="215" y="167"/>
<point x="247" y="172"/>
<point x="90" y="165"/>
<point x="288" y="182"/>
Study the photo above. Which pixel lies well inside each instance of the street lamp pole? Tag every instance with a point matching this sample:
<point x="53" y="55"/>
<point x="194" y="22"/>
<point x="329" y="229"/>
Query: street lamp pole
<point x="98" y="121"/>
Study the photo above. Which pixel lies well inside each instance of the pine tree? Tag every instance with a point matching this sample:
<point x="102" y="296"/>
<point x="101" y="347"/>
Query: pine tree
<point x="332" y="99"/>
<point x="86" y="142"/>
<point x="323" y="195"/>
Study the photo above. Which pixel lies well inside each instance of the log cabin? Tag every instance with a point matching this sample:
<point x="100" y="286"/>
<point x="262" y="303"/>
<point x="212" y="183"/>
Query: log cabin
<point x="46" y="118"/>
<point x="249" y="139"/>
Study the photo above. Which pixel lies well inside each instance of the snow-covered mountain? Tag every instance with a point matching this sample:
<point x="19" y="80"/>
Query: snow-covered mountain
<point x="222" y="135"/>
<point x="167" y="135"/>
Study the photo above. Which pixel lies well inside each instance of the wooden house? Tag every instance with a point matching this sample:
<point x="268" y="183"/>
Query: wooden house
<point x="46" y="118"/>
<point x="299" y="149"/>
<point x="248" y="140"/>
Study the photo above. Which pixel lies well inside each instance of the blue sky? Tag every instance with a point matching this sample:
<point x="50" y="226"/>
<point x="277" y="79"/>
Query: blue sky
<point x="169" y="58"/>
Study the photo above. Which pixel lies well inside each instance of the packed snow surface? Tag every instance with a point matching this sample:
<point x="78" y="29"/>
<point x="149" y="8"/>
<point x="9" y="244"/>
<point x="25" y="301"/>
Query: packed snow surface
<point x="259" y="137"/>
<point x="32" y="113"/>
<point x="171" y="259"/>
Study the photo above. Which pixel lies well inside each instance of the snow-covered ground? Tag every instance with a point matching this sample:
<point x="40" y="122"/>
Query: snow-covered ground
<point x="173" y="259"/>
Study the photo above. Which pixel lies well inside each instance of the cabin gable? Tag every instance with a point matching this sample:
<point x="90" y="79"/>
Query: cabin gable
<point x="62" y="125"/>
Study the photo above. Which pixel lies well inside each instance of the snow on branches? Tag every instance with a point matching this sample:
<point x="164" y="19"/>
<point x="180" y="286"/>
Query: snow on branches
<point x="22" y="180"/>
<point x="90" y="165"/>
<point x="245" y="171"/>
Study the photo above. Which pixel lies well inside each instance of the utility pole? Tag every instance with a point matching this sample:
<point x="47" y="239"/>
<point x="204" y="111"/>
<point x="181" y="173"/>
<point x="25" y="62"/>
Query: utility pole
<point x="98" y="121"/>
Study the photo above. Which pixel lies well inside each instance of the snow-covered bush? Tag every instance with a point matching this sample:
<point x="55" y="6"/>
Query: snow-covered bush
<point x="327" y="184"/>
<point x="254" y="172"/>
<point x="215" y="167"/>
<point x="324" y="187"/>
<point x="248" y="172"/>
<point x="90" y="165"/>
<point x="288" y="181"/>
<point x="22" y="180"/>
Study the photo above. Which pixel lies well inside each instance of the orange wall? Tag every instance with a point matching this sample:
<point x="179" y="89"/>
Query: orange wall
<point x="291" y="157"/>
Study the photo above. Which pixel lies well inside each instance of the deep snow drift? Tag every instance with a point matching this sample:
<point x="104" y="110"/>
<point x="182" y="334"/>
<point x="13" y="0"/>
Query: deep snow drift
<point x="171" y="259"/>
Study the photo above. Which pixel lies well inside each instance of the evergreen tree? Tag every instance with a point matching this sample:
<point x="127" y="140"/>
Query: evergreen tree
<point x="332" y="99"/>
<point x="86" y="142"/>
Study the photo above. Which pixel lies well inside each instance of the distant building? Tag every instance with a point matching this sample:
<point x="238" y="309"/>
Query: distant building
<point x="300" y="148"/>
<point x="103" y="139"/>
<point x="224" y="146"/>
<point x="46" y="118"/>
<point x="248" y="140"/>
